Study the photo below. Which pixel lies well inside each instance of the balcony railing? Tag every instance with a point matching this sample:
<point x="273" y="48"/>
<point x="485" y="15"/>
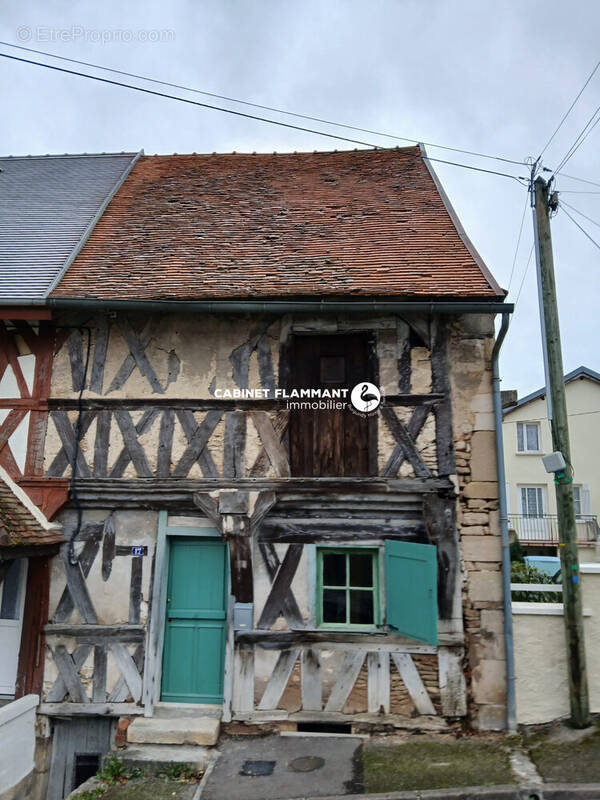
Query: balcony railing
<point x="544" y="528"/>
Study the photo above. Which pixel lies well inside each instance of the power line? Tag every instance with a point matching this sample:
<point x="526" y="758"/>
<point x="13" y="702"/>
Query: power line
<point x="572" y="177"/>
<point x="574" y="191"/>
<point x="580" y="139"/>
<point x="185" y="100"/>
<point x="524" y="275"/>
<point x="237" y="113"/>
<point x="520" y="179"/>
<point x="258" y="105"/>
<point x="577" y="211"/>
<point x="574" y="221"/>
<point x="559" y="126"/>
<point x="518" y="241"/>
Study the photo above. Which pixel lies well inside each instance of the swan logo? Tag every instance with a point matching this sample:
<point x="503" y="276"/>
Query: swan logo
<point x="365" y="397"/>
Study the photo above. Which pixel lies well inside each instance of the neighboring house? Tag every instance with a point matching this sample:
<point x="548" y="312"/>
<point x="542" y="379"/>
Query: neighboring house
<point x="48" y="205"/>
<point x="27" y="543"/>
<point x="284" y="558"/>
<point x="530" y="489"/>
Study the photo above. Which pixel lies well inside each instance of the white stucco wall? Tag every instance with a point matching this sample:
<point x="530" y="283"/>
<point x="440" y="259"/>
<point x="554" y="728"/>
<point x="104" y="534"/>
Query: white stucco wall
<point x="17" y="740"/>
<point x="540" y="654"/>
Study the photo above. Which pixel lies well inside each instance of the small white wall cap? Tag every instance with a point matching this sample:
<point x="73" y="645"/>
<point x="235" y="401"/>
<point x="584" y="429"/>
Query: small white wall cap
<point x="554" y="462"/>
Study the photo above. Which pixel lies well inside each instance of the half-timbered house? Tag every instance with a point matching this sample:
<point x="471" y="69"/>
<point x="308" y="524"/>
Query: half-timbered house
<point x="239" y="533"/>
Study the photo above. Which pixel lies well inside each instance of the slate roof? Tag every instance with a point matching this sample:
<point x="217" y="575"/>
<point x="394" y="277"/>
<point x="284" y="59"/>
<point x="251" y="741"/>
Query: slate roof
<point x="21" y="523"/>
<point x="47" y="204"/>
<point x="580" y="372"/>
<point x="359" y="223"/>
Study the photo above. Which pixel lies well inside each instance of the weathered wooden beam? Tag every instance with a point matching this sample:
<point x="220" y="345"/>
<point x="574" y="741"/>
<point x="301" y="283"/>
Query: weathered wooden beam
<point x="281" y="586"/>
<point x="439" y="514"/>
<point x="414" y="427"/>
<point x="214" y="403"/>
<point x="234" y="445"/>
<point x="98" y="634"/>
<point x="68" y="673"/>
<point x="348" y="674"/>
<point x="331" y="640"/>
<point x="120" y="690"/>
<point x="279" y="679"/>
<point x="90" y="709"/>
<point x="99" y="677"/>
<point x="280" y="425"/>
<point x="108" y="546"/>
<point x="453" y="689"/>
<point x="289" y="606"/>
<point x="100" y="351"/>
<point x="378" y="686"/>
<point x="197" y="436"/>
<point x="77" y="588"/>
<point x="137" y="349"/>
<point x="208" y="504"/>
<point x="165" y="443"/>
<point x="143" y="340"/>
<point x="240" y="559"/>
<point x="272" y="443"/>
<point x="135" y="452"/>
<point x="243" y="680"/>
<point x="59" y="688"/>
<point x="128" y="668"/>
<point x="440" y="379"/>
<point x="130" y="493"/>
<point x="414" y="685"/>
<point x="66" y="432"/>
<point x="280" y="529"/>
<point x="405" y="442"/>
<point x="311" y="680"/>
<point x="102" y="443"/>
<point x="135" y="590"/>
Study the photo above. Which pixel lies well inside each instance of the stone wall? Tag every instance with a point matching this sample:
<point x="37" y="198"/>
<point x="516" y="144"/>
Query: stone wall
<point x="470" y="352"/>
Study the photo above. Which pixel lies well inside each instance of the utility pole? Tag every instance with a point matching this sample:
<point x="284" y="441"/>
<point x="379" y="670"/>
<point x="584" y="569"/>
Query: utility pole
<point x="557" y="412"/>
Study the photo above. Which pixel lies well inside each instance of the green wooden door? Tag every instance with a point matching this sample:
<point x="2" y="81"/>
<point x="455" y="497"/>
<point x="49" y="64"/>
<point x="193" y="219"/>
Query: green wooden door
<point x="195" y="633"/>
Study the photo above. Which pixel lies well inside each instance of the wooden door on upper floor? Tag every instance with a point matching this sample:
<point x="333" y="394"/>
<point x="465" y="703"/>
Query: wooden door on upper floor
<point x="331" y="443"/>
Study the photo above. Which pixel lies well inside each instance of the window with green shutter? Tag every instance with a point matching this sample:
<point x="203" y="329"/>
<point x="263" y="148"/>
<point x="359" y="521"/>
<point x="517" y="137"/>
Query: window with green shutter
<point x="348" y="593"/>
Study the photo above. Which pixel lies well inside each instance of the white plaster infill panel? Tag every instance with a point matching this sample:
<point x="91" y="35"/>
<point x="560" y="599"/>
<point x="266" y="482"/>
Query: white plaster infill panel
<point x="17" y="740"/>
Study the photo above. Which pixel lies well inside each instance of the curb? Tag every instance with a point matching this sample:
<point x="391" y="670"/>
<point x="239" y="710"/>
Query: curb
<point x="549" y="791"/>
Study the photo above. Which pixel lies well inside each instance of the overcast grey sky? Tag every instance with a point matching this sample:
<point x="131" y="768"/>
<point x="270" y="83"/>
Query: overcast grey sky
<point x="489" y="75"/>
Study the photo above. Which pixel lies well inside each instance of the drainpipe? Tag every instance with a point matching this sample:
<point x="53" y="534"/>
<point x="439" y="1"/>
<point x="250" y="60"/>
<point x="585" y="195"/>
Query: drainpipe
<point x="511" y="711"/>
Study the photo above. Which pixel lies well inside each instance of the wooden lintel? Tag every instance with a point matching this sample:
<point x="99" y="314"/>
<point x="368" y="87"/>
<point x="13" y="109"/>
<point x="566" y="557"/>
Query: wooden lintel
<point x="330" y="640"/>
<point x="98" y="634"/>
<point x="140" y="486"/>
<point x="209" y="403"/>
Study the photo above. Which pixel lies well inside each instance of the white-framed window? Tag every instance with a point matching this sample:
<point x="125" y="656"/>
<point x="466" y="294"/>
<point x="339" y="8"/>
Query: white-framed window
<point x="528" y="437"/>
<point x="532" y="501"/>
<point x="581" y="500"/>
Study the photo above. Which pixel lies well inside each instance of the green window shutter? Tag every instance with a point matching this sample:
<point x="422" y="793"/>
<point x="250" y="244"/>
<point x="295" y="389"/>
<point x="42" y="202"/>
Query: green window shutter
<point x="411" y="590"/>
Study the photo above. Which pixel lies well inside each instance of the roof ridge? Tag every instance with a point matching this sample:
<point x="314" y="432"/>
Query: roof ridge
<point x="33" y="157"/>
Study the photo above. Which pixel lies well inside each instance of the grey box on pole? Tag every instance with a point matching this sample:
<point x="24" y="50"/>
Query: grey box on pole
<point x="554" y="462"/>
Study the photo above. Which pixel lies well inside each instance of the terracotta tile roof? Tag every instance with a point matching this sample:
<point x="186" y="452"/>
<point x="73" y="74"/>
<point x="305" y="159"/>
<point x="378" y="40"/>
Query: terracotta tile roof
<point x="21" y="523"/>
<point x="361" y="223"/>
